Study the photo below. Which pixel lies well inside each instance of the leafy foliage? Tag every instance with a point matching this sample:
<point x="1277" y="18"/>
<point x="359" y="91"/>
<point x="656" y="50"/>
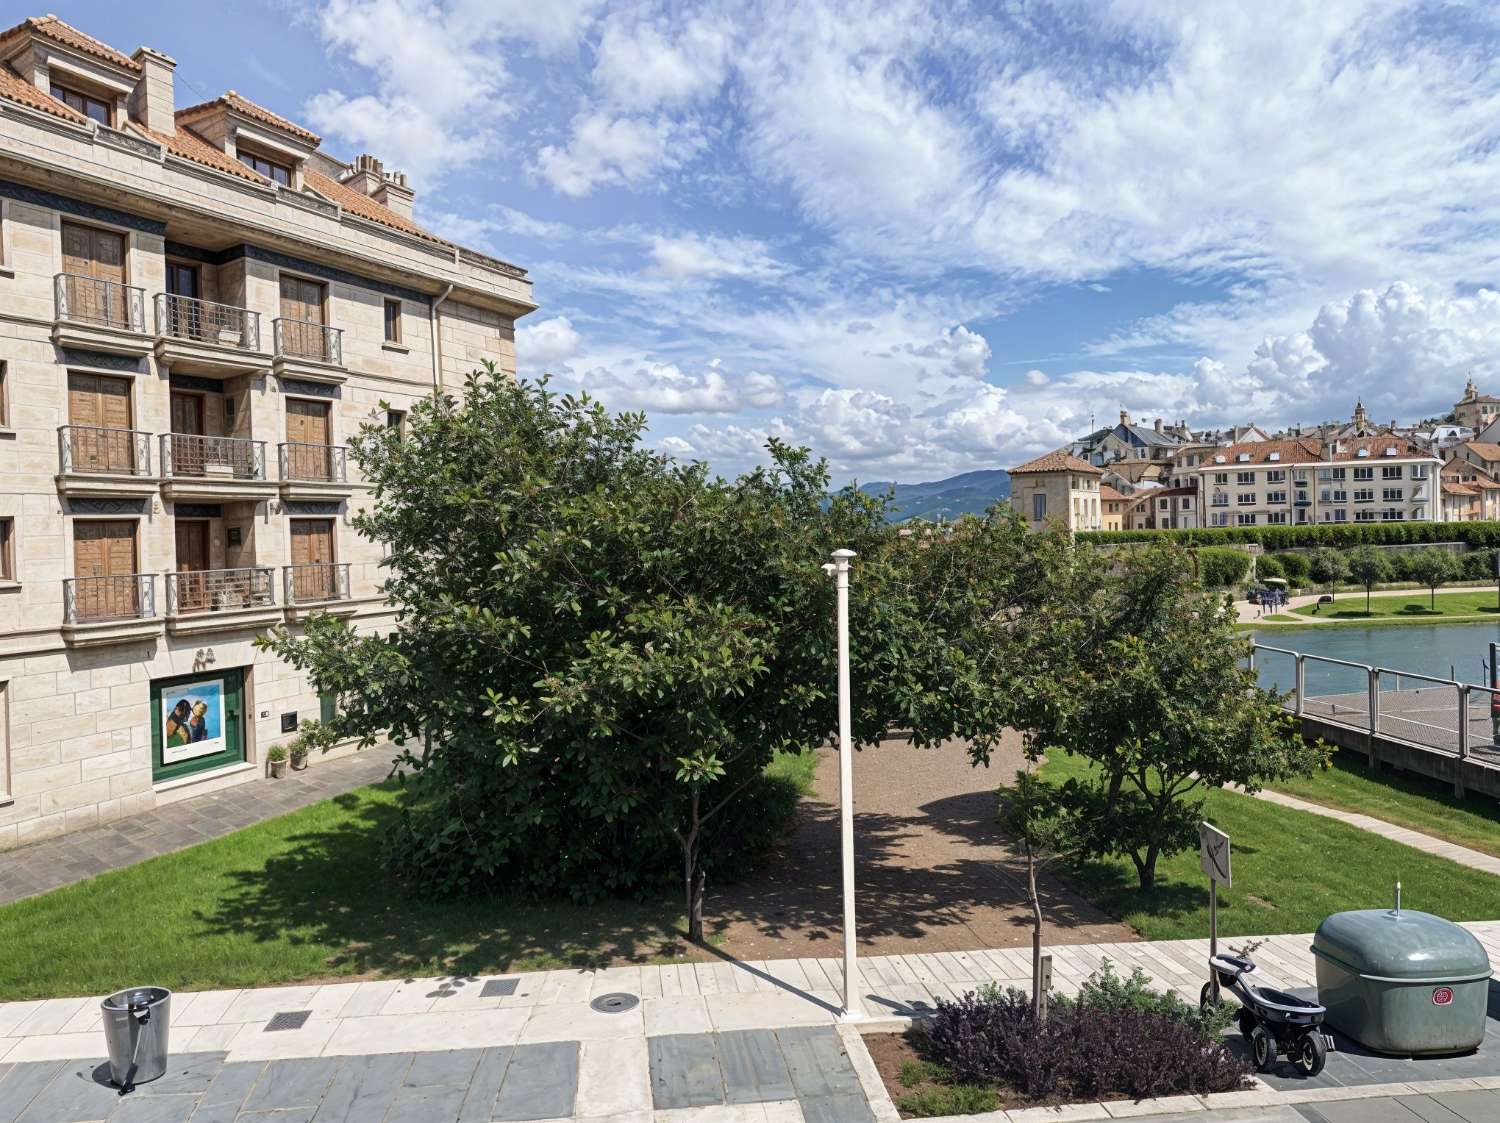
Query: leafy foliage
<point x="1367" y="567"/>
<point x="1294" y="567"/>
<point x="1329" y="568"/>
<point x="1432" y="567"/>
<point x="1106" y="991"/>
<point x="1221" y="566"/>
<point x="1474" y="534"/>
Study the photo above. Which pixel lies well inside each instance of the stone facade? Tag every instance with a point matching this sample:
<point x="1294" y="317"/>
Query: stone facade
<point x="210" y="383"/>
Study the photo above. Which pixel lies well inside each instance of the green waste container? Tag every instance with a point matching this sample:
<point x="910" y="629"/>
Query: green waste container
<point x="1401" y="981"/>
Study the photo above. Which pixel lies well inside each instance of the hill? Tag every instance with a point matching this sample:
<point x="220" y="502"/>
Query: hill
<point x="970" y="493"/>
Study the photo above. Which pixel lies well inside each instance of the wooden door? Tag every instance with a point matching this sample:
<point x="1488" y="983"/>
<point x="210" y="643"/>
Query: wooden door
<point x="308" y="433"/>
<point x="104" y="567"/>
<point x="95" y="263"/>
<point x="185" y="317"/>
<point x="312" y="560"/>
<point x="99" y="413"/>
<point x="192" y="565"/>
<point x="301" y="313"/>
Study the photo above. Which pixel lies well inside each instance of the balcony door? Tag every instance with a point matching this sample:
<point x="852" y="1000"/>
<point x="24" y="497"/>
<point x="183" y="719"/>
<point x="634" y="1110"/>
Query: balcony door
<point x="99" y="413"/>
<point x="94" y="261"/>
<point x="309" y="432"/>
<point x="104" y="565"/>
<point x="184" y="313"/>
<point x="312" y="560"/>
<point x="192" y="565"/>
<point x="302" y="315"/>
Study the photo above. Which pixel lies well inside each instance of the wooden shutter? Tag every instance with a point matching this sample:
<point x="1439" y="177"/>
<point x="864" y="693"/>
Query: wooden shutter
<point x="312" y="545"/>
<point x="192" y="561"/>
<point x="302" y="307"/>
<point x="92" y="256"/>
<point x="308" y="430"/>
<point x="99" y="411"/>
<point x="103" y="561"/>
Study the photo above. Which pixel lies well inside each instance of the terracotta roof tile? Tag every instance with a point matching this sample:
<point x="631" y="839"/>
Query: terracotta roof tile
<point x="247" y="107"/>
<point x="1298" y="450"/>
<point x="1059" y="460"/>
<point x="50" y="27"/>
<point x="1485" y="449"/>
<point x="1375" y="447"/>
<point x="16" y="88"/>
<point x="357" y="203"/>
<point x="1109" y="493"/>
<point x="190" y="146"/>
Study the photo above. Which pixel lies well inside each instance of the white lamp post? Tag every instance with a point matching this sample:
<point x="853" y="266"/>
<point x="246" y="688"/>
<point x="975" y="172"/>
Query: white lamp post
<point x="839" y="569"/>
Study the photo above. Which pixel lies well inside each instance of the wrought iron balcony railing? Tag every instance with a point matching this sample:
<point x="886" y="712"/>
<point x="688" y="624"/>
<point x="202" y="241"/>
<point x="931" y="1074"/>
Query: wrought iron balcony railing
<point x="220" y="590"/>
<point x="89" y="300"/>
<point x="203" y="321"/>
<point x="317" y="463"/>
<point x="189" y="455"/>
<point x="122" y="596"/>
<point x="89" y="448"/>
<point x="310" y="584"/>
<point x="304" y="339"/>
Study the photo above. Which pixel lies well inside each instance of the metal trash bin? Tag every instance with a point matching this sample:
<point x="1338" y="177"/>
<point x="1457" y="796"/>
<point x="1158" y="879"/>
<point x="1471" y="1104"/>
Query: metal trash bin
<point x="1402" y="982"/>
<point x="136" y="1022"/>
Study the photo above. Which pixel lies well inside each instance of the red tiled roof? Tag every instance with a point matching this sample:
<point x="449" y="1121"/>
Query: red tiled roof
<point x="1485" y="449"/>
<point x="50" y="27"/>
<point x="247" y="107"/>
<point x="356" y="203"/>
<point x="1056" y="461"/>
<point x="16" y="88"/>
<point x="1450" y="488"/>
<point x="1298" y="450"/>
<point x="190" y="146"/>
<point x="1109" y="493"/>
<point x="1375" y="448"/>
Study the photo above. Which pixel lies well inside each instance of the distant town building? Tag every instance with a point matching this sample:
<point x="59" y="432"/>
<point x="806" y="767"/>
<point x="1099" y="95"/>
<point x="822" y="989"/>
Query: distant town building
<point x="1477" y="411"/>
<point x="1112" y="508"/>
<point x="1057" y="487"/>
<point x="1470" y="493"/>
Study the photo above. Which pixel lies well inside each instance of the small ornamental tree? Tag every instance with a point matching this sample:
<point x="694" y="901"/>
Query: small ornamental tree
<point x="1329" y="568"/>
<point x="1368" y="567"/>
<point x="597" y="649"/>
<point x="1432" y="567"/>
<point x="1165" y="707"/>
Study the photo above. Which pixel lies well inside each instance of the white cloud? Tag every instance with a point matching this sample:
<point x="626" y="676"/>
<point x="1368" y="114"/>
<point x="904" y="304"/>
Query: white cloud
<point x="640" y="65"/>
<point x="547" y="342"/>
<point x="608" y="150"/>
<point x="1037" y="378"/>
<point x="665" y="388"/>
<point x="694" y="255"/>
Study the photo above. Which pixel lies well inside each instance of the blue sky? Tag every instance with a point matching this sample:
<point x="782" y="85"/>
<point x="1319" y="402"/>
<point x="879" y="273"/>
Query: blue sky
<point x="923" y="238"/>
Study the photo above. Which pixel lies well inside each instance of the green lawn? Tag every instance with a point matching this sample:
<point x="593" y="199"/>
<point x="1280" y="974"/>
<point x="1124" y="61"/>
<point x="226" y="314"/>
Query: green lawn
<point x="1350" y="605"/>
<point x="1407" y="800"/>
<point x="302" y="897"/>
<point x="1291" y="869"/>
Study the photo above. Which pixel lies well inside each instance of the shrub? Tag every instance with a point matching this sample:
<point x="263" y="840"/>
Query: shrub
<point x="1267" y="566"/>
<point x="1218" y="566"/>
<point x="1474" y="534"/>
<point x="1478" y="565"/>
<point x="1106" y="991"/>
<point x="1295" y="567"/>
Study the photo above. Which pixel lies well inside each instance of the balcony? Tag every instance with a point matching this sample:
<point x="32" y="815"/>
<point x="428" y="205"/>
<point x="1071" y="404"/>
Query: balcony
<point x="323" y="587"/>
<point x="116" y="609"/>
<point x="213" y="469"/>
<point x="203" y="335"/>
<point x="97" y="315"/>
<point x="107" y="463"/>
<point x="308" y="350"/>
<point x="310" y="471"/>
<point x="221" y="599"/>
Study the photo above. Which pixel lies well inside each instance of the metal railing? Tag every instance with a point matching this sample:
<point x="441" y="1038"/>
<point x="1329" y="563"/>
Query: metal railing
<point x="89" y="448"/>
<point x="219" y="590"/>
<point x="322" y="463"/>
<point x="310" y="584"/>
<point x="187" y="454"/>
<point x="203" y="321"/>
<point x="304" y="339"/>
<point x="89" y="300"/>
<point x="124" y="596"/>
<point x="1446" y="716"/>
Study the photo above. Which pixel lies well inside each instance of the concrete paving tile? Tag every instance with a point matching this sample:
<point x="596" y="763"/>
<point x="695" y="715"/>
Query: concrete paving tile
<point x="296" y="1115"/>
<point x="421" y="1033"/>
<point x="818" y="1065"/>
<point x="429" y="1104"/>
<point x="541" y="1082"/>
<point x="1382" y="1110"/>
<point x="154" y="1109"/>
<point x="416" y="996"/>
<point x="362" y="1088"/>
<point x="206" y="1039"/>
<point x="51" y="1016"/>
<point x="1472" y="1107"/>
<point x="769" y="1011"/>
<point x="847" y="1108"/>
<point x="685" y="1070"/>
<point x="753" y="1067"/>
<point x="260" y="1004"/>
<point x="254" y="1043"/>
<point x="1069" y="1113"/>
<point x="72" y="1096"/>
<point x="614" y="1077"/>
<point x="299" y="1082"/>
<point x="680" y="1014"/>
<point x="479" y="1100"/>
<point x="1162" y="1105"/>
<point x="450" y="1067"/>
<point x="22" y="1084"/>
<point x="580" y="1023"/>
<point x="1429" y="1110"/>
<point x="368" y="998"/>
<point x="56" y="1047"/>
<point x="202" y="1008"/>
<point x="88" y="1019"/>
<point x="220" y="1103"/>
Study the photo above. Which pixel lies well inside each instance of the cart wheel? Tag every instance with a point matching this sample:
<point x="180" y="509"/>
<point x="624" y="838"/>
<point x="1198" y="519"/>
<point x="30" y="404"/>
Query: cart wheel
<point x="1206" y="997"/>
<point x="1263" y="1049"/>
<point x="1311" y="1054"/>
<point x="1247" y="1023"/>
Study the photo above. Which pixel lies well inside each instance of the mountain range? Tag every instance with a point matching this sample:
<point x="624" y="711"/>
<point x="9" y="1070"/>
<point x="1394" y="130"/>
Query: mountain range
<point x="971" y="493"/>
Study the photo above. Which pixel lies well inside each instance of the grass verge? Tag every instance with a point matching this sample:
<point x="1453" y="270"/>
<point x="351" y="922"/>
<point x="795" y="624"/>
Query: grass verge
<point x="1291" y="869"/>
<point x="303" y="897"/>
<point x="1351" y="606"/>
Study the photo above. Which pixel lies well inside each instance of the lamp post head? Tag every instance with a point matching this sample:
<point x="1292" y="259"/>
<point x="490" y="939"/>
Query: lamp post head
<point x="844" y="555"/>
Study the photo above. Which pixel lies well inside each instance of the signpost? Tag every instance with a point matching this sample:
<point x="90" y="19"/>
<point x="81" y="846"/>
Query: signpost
<point x="1213" y="857"/>
<point x="839" y="570"/>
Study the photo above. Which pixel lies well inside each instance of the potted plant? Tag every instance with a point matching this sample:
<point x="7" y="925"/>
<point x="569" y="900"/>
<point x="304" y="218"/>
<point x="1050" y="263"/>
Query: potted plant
<point x="314" y="735"/>
<point x="277" y="759"/>
<point x="298" y="751"/>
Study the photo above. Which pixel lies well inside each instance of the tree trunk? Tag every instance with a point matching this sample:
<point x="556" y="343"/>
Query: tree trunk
<point x="1038" y="1006"/>
<point x="692" y="877"/>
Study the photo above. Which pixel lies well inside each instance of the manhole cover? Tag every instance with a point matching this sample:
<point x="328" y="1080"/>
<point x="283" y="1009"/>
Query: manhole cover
<point x="615" y="1003"/>
<point x="288" y="1019"/>
<point x="498" y="988"/>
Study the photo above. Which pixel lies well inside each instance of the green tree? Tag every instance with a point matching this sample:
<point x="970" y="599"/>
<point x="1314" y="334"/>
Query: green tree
<point x="1033" y="812"/>
<point x="1328" y="567"/>
<point x="1432" y="567"/>
<point x="597" y="650"/>
<point x="1368" y="567"/>
<point x="1164" y="706"/>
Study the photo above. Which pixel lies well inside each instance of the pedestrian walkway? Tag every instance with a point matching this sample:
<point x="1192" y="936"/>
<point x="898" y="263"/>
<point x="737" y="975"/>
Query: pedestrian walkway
<point x="718" y="1042"/>
<point x="41" y="866"/>
<point x="1429" y="844"/>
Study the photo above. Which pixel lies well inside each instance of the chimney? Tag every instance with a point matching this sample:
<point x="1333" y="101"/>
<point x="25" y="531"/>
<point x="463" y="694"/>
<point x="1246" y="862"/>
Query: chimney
<point x="1158" y="425"/>
<point x="368" y="176"/>
<point x="152" y="102"/>
<point x="395" y="195"/>
<point x="1124" y="417"/>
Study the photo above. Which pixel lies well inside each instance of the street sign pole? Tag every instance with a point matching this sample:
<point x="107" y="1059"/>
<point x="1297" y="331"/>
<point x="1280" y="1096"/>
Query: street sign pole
<point x="1213" y="859"/>
<point x="840" y="571"/>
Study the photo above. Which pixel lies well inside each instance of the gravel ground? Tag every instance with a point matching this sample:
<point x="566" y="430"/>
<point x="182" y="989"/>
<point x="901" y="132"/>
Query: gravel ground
<point x="934" y="872"/>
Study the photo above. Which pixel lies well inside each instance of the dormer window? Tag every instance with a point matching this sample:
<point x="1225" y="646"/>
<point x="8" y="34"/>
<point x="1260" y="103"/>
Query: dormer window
<point x="90" y="106"/>
<point x="280" y="173"/>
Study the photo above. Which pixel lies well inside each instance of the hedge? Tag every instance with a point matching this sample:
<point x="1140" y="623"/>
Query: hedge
<point x="1474" y="534"/>
<point x="1220" y="567"/>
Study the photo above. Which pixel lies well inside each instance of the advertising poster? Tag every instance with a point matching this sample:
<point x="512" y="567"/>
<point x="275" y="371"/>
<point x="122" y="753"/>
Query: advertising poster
<point x="192" y="719"/>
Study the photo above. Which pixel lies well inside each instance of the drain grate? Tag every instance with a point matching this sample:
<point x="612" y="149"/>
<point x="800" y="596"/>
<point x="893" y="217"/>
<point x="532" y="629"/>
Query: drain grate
<point x="288" y="1019"/>
<point x="615" y="1003"/>
<point x="498" y="988"/>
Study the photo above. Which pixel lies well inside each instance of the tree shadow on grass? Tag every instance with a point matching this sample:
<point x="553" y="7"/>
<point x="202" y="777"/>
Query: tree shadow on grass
<point x="326" y="889"/>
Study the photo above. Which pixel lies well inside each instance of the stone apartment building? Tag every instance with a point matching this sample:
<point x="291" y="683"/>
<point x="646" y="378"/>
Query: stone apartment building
<point x="198" y="308"/>
<point x="1057" y="488"/>
<point x="1302" y="481"/>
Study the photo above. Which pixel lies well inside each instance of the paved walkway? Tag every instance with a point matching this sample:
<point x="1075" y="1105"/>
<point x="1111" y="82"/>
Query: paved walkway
<point x="724" y="1042"/>
<point x="55" y="862"/>
<point x="1247" y="613"/>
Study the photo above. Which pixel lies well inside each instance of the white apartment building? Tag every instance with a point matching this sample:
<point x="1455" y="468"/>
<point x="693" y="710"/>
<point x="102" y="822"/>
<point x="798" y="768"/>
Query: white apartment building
<point x="198" y="308"/>
<point x="1302" y="482"/>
